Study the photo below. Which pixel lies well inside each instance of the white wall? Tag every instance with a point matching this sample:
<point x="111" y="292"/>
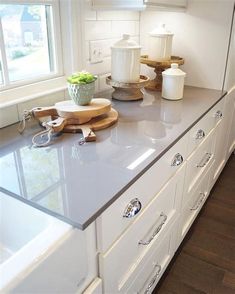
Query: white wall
<point x="104" y="28"/>
<point x="200" y="36"/>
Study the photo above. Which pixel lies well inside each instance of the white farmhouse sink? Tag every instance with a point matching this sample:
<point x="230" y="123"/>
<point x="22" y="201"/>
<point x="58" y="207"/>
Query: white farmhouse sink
<point x="25" y="234"/>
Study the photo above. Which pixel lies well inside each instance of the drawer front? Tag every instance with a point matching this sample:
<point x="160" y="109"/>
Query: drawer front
<point x="112" y="223"/>
<point x="148" y="229"/>
<point x="199" y="133"/>
<point x="150" y="272"/>
<point x="197" y="164"/>
<point x="194" y="205"/>
<point x="94" y="288"/>
<point x="216" y="114"/>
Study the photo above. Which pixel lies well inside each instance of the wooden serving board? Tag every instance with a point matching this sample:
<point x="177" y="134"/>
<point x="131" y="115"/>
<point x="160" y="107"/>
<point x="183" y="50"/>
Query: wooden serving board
<point x="68" y="109"/>
<point x="70" y="125"/>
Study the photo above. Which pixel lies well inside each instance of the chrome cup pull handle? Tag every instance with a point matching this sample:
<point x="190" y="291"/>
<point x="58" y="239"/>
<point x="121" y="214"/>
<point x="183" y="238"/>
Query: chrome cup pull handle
<point x="199" y="202"/>
<point x="153" y="280"/>
<point x="132" y="208"/>
<point x="177" y="160"/>
<point x="219" y="114"/>
<point x="156" y="231"/>
<point x="200" y="135"/>
<point x="204" y="160"/>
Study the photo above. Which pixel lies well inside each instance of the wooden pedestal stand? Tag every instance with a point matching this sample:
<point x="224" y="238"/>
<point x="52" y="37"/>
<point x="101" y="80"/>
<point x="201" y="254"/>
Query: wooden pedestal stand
<point x="128" y="91"/>
<point x="159" y="67"/>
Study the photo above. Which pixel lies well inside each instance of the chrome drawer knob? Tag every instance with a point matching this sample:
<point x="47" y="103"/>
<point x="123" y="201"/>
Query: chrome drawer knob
<point x="177" y="160"/>
<point x="200" y="135"/>
<point x="219" y="114"/>
<point x="132" y="208"/>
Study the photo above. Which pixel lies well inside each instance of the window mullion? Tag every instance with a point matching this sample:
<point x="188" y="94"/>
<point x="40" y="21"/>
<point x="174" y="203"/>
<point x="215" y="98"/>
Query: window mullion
<point x="4" y="57"/>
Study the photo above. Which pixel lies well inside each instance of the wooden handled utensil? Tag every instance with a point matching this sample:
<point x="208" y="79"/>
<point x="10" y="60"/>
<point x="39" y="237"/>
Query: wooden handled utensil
<point x="70" y="125"/>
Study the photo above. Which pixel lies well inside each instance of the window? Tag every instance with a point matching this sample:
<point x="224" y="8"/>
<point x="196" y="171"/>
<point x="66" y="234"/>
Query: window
<point x="29" y="42"/>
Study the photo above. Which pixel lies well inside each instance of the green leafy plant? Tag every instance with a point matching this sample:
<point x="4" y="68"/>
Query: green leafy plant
<point x="81" y="78"/>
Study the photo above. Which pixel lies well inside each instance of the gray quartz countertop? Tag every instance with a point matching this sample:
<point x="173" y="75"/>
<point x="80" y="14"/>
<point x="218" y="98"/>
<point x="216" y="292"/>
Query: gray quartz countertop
<point x="76" y="183"/>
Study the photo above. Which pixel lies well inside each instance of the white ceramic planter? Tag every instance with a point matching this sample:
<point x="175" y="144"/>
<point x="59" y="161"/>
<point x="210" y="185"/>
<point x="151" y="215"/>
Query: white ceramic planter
<point x="125" y="61"/>
<point x="160" y="44"/>
<point x="173" y="83"/>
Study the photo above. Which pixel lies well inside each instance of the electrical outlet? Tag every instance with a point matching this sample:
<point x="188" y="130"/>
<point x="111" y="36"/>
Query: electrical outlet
<point x="96" y="52"/>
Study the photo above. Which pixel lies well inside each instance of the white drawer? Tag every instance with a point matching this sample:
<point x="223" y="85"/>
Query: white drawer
<point x="201" y="130"/>
<point x="111" y="224"/>
<point x="124" y="256"/>
<point x="199" y="133"/>
<point x="152" y="267"/>
<point x="217" y="112"/>
<point x="194" y="205"/>
<point x="94" y="288"/>
<point x="197" y="164"/>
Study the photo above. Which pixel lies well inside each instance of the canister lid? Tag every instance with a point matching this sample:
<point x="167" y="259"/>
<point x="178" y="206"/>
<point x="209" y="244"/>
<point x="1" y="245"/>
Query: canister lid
<point x="160" y="31"/>
<point x="126" y="43"/>
<point x="173" y="71"/>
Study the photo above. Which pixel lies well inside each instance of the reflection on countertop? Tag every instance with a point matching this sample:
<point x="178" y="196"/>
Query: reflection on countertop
<point x="76" y="183"/>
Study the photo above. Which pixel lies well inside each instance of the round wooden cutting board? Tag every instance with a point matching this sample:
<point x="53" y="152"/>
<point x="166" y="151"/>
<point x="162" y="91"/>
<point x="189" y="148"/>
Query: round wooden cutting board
<point x="68" y="109"/>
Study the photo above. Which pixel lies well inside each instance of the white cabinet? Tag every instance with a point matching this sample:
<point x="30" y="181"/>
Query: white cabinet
<point x="94" y="288"/>
<point x="230" y="110"/>
<point x="194" y="203"/>
<point x="139" y="4"/>
<point x="118" y="4"/>
<point x="167" y="3"/>
<point x="124" y="259"/>
<point x="224" y="117"/>
<point x="135" y="251"/>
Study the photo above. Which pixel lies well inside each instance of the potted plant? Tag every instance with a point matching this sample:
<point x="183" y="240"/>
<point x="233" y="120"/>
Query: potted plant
<point x="81" y="87"/>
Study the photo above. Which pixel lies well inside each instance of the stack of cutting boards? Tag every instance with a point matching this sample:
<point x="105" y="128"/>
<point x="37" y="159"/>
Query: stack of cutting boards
<point x="66" y="116"/>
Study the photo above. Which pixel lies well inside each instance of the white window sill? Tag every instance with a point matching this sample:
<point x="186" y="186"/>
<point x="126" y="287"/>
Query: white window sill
<point x="32" y="91"/>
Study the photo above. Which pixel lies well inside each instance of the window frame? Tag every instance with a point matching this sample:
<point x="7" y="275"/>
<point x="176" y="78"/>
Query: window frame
<point x="71" y="18"/>
<point x="57" y="44"/>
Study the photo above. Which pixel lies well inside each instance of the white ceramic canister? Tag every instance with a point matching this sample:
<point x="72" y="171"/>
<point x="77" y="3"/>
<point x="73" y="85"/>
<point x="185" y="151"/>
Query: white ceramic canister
<point x="160" y="44"/>
<point x="125" y="60"/>
<point x="173" y="83"/>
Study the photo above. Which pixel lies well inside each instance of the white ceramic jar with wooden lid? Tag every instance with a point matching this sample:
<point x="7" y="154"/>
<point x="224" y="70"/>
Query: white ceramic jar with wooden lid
<point x="160" y="44"/>
<point x="125" y="60"/>
<point x="173" y="83"/>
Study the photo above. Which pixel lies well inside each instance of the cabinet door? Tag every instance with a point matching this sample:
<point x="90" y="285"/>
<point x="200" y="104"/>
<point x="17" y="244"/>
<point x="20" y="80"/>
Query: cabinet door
<point x="231" y="126"/>
<point x="221" y="134"/>
<point x="125" y="258"/>
<point x="118" y="4"/>
<point x="167" y="3"/>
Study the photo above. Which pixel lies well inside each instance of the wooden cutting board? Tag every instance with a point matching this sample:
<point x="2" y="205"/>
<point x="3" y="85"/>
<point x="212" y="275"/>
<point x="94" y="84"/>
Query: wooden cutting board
<point x="68" y="109"/>
<point x="70" y="125"/>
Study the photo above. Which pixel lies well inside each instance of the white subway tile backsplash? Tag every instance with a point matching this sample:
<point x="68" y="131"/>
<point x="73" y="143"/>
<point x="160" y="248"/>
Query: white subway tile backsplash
<point x="125" y="27"/>
<point x="118" y="15"/>
<point x="99" y="68"/>
<point x="102" y="82"/>
<point x="98" y="30"/>
<point x="87" y="50"/>
<point x="8" y="115"/>
<point x="89" y="13"/>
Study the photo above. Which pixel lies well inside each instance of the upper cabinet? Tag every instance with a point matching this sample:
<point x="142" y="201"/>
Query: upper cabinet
<point x="138" y="4"/>
<point x="164" y="4"/>
<point x="118" y="4"/>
